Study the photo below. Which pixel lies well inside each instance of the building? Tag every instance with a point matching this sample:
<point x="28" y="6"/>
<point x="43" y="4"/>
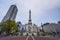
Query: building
<point x="21" y="27"/>
<point x="11" y="14"/>
<point x="35" y="28"/>
<point x="52" y="27"/>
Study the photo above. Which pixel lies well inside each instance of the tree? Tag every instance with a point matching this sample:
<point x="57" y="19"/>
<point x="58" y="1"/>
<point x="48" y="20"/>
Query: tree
<point x="9" y="27"/>
<point x="0" y="28"/>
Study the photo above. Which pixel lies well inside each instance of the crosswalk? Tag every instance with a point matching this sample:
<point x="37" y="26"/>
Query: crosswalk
<point x="30" y="38"/>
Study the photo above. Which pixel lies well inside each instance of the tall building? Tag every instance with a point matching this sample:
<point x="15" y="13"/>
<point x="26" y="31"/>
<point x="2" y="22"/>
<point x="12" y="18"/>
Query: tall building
<point x="11" y="14"/>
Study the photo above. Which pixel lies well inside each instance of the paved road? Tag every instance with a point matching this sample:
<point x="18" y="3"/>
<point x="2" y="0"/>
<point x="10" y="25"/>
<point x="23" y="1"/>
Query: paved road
<point x="45" y="38"/>
<point x="13" y="38"/>
<point x="28" y="38"/>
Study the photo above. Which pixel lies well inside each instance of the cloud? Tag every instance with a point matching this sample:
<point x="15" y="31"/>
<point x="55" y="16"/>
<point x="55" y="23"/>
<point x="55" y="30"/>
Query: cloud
<point x="41" y="9"/>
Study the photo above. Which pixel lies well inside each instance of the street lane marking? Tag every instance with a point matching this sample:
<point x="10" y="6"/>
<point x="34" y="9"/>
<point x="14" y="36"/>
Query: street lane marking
<point x="27" y="37"/>
<point x="31" y="37"/>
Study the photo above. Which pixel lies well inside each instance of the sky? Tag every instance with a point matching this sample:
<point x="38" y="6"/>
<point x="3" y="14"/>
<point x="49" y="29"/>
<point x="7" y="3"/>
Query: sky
<point x="42" y="11"/>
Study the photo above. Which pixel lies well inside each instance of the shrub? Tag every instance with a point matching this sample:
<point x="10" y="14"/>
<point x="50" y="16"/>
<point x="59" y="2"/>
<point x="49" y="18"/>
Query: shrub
<point x="21" y="34"/>
<point x="38" y="34"/>
<point x="49" y="33"/>
<point x="32" y="34"/>
<point x="27" y="34"/>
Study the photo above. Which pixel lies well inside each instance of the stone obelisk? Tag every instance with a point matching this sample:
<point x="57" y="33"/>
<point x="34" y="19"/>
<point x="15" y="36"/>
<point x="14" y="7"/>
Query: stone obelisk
<point x="30" y="22"/>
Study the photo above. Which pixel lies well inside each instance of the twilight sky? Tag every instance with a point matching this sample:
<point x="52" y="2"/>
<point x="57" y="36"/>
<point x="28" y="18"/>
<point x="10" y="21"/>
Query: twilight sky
<point x="42" y="10"/>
